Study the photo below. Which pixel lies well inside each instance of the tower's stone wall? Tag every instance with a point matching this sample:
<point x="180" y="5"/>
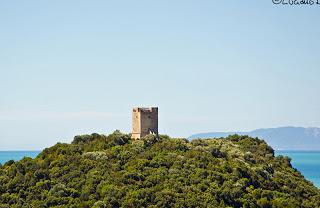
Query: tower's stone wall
<point x="144" y="122"/>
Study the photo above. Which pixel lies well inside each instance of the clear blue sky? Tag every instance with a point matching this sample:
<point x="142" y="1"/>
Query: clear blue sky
<point x="75" y="67"/>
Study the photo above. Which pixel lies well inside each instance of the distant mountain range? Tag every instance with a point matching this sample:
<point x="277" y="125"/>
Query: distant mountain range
<point x="282" y="138"/>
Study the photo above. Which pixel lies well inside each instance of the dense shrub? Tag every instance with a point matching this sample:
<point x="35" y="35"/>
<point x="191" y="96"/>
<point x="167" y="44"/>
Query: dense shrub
<point x="115" y="171"/>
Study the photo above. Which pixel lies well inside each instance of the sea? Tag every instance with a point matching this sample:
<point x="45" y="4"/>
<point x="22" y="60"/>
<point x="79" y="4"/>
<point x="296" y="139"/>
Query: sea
<point x="5" y="156"/>
<point x="307" y="162"/>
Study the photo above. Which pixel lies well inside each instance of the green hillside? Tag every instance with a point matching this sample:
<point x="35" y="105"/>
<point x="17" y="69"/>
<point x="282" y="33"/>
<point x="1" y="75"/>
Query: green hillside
<point x="115" y="171"/>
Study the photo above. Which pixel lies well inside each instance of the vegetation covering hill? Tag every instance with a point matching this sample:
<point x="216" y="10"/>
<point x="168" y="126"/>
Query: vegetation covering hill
<point x="115" y="171"/>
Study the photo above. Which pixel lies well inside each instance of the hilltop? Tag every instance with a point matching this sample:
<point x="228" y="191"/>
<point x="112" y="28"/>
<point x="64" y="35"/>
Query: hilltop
<point x="282" y="138"/>
<point x="115" y="171"/>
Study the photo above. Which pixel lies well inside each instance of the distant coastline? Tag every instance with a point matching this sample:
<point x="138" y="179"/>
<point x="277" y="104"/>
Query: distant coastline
<point x="281" y="138"/>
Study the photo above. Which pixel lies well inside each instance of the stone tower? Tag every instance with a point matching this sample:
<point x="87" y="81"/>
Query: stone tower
<point x="144" y="122"/>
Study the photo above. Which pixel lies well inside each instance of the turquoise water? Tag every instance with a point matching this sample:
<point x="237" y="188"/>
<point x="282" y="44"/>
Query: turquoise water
<point x="16" y="155"/>
<point x="307" y="162"/>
